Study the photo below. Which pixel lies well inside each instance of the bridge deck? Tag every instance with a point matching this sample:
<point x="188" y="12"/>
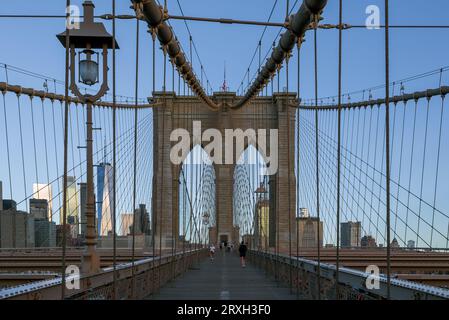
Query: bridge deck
<point x="224" y="279"/>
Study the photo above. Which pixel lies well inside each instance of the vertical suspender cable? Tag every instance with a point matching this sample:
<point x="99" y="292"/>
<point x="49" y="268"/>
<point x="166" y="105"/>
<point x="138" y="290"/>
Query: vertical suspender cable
<point x="437" y="165"/>
<point x="387" y="141"/>
<point x="289" y="162"/>
<point x="411" y="168"/>
<point x="423" y="170"/>
<point x="179" y="84"/>
<point x="289" y="178"/>
<point x="34" y="140"/>
<point x="155" y="217"/>
<point x="337" y="271"/>
<point x="191" y="154"/>
<point x="56" y="152"/>
<point x="173" y="77"/>
<point x="136" y="95"/>
<point x="298" y="47"/>
<point x="317" y="159"/>
<point x="114" y="156"/>
<point x="22" y="151"/>
<point x="164" y="106"/>
<point x="66" y="125"/>
<point x="260" y="57"/>
<point x="174" y="219"/>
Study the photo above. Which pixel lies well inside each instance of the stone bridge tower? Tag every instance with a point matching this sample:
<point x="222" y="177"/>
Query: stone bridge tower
<point x="260" y="113"/>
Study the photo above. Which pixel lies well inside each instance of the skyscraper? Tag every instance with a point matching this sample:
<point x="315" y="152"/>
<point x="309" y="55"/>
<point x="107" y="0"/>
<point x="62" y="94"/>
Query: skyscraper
<point x="44" y="233"/>
<point x="39" y="209"/>
<point x="142" y="220"/>
<point x="44" y="192"/>
<point x="350" y="234"/>
<point x="308" y="232"/>
<point x="105" y="198"/>
<point x="16" y="227"/>
<point x="71" y="202"/>
<point x="127" y="221"/>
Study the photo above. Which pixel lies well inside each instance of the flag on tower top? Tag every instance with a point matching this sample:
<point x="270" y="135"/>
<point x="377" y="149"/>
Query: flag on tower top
<point x="224" y="87"/>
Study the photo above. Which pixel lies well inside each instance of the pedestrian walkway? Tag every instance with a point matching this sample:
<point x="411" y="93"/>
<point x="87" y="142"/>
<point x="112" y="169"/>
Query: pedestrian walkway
<point x="224" y="279"/>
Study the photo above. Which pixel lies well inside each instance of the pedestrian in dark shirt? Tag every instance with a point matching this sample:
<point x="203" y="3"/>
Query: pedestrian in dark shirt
<point x="242" y="250"/>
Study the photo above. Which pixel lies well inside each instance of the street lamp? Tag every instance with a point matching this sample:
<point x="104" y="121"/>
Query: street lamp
<point x="88" y="69"/>
<point x="206" y="218"/>
<point x="206" y="221"/>
<point x="90" y="36"/>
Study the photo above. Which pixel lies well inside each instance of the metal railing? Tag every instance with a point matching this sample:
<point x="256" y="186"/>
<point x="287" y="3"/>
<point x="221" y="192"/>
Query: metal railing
<point x="352" y="283"/>
<point x="149" y="276"/>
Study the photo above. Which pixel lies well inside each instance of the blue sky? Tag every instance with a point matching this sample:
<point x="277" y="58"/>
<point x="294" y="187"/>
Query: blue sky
<point x="31" y="44"/>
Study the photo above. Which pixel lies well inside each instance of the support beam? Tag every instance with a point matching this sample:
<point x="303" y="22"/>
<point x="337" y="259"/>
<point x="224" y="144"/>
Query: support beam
<point x="229" y="21"/>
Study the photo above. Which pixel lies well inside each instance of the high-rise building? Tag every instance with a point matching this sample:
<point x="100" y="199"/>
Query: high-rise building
<point x="72" y="226"/>
<point x="83" y="202"/>
<point x="350" y="234"/>
<point x="411" y="244"/>
<point x="9" y="204"/>
<point x="71" y="201"/>
<point x="105" y="198"/>
<point x="127" y="221"/>
<point x="44" y="233"/>
<point x="142" y="220"/>
<point x="44" y="192"/>
<point x="39" y="209"/>
<point x="308" y="232"/>
<point x="368" y="242"/>
<point x="16" y="227"/>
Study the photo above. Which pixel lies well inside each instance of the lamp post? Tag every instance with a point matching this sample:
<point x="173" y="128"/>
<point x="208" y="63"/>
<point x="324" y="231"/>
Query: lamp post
<point x="206" y="221"/>
<point x="90" y="36"/>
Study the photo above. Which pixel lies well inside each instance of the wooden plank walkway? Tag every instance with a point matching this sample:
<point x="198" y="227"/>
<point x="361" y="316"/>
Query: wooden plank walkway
<point x="224" y="279"/>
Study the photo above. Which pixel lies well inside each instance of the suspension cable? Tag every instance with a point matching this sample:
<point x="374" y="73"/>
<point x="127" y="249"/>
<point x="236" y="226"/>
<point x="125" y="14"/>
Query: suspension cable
<point x="136" y="92"/>
<point x="387" y="141"/>
<point x="317" y="159"/>
<point x="114" y="156"/>
<point x="66" y="124"/>
<point x="337" y="288"/>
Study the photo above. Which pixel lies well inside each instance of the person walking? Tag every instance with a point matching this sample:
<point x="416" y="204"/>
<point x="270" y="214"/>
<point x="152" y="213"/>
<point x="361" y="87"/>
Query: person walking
<point x="242" y="250"/>
<point x="211" y="252"/>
